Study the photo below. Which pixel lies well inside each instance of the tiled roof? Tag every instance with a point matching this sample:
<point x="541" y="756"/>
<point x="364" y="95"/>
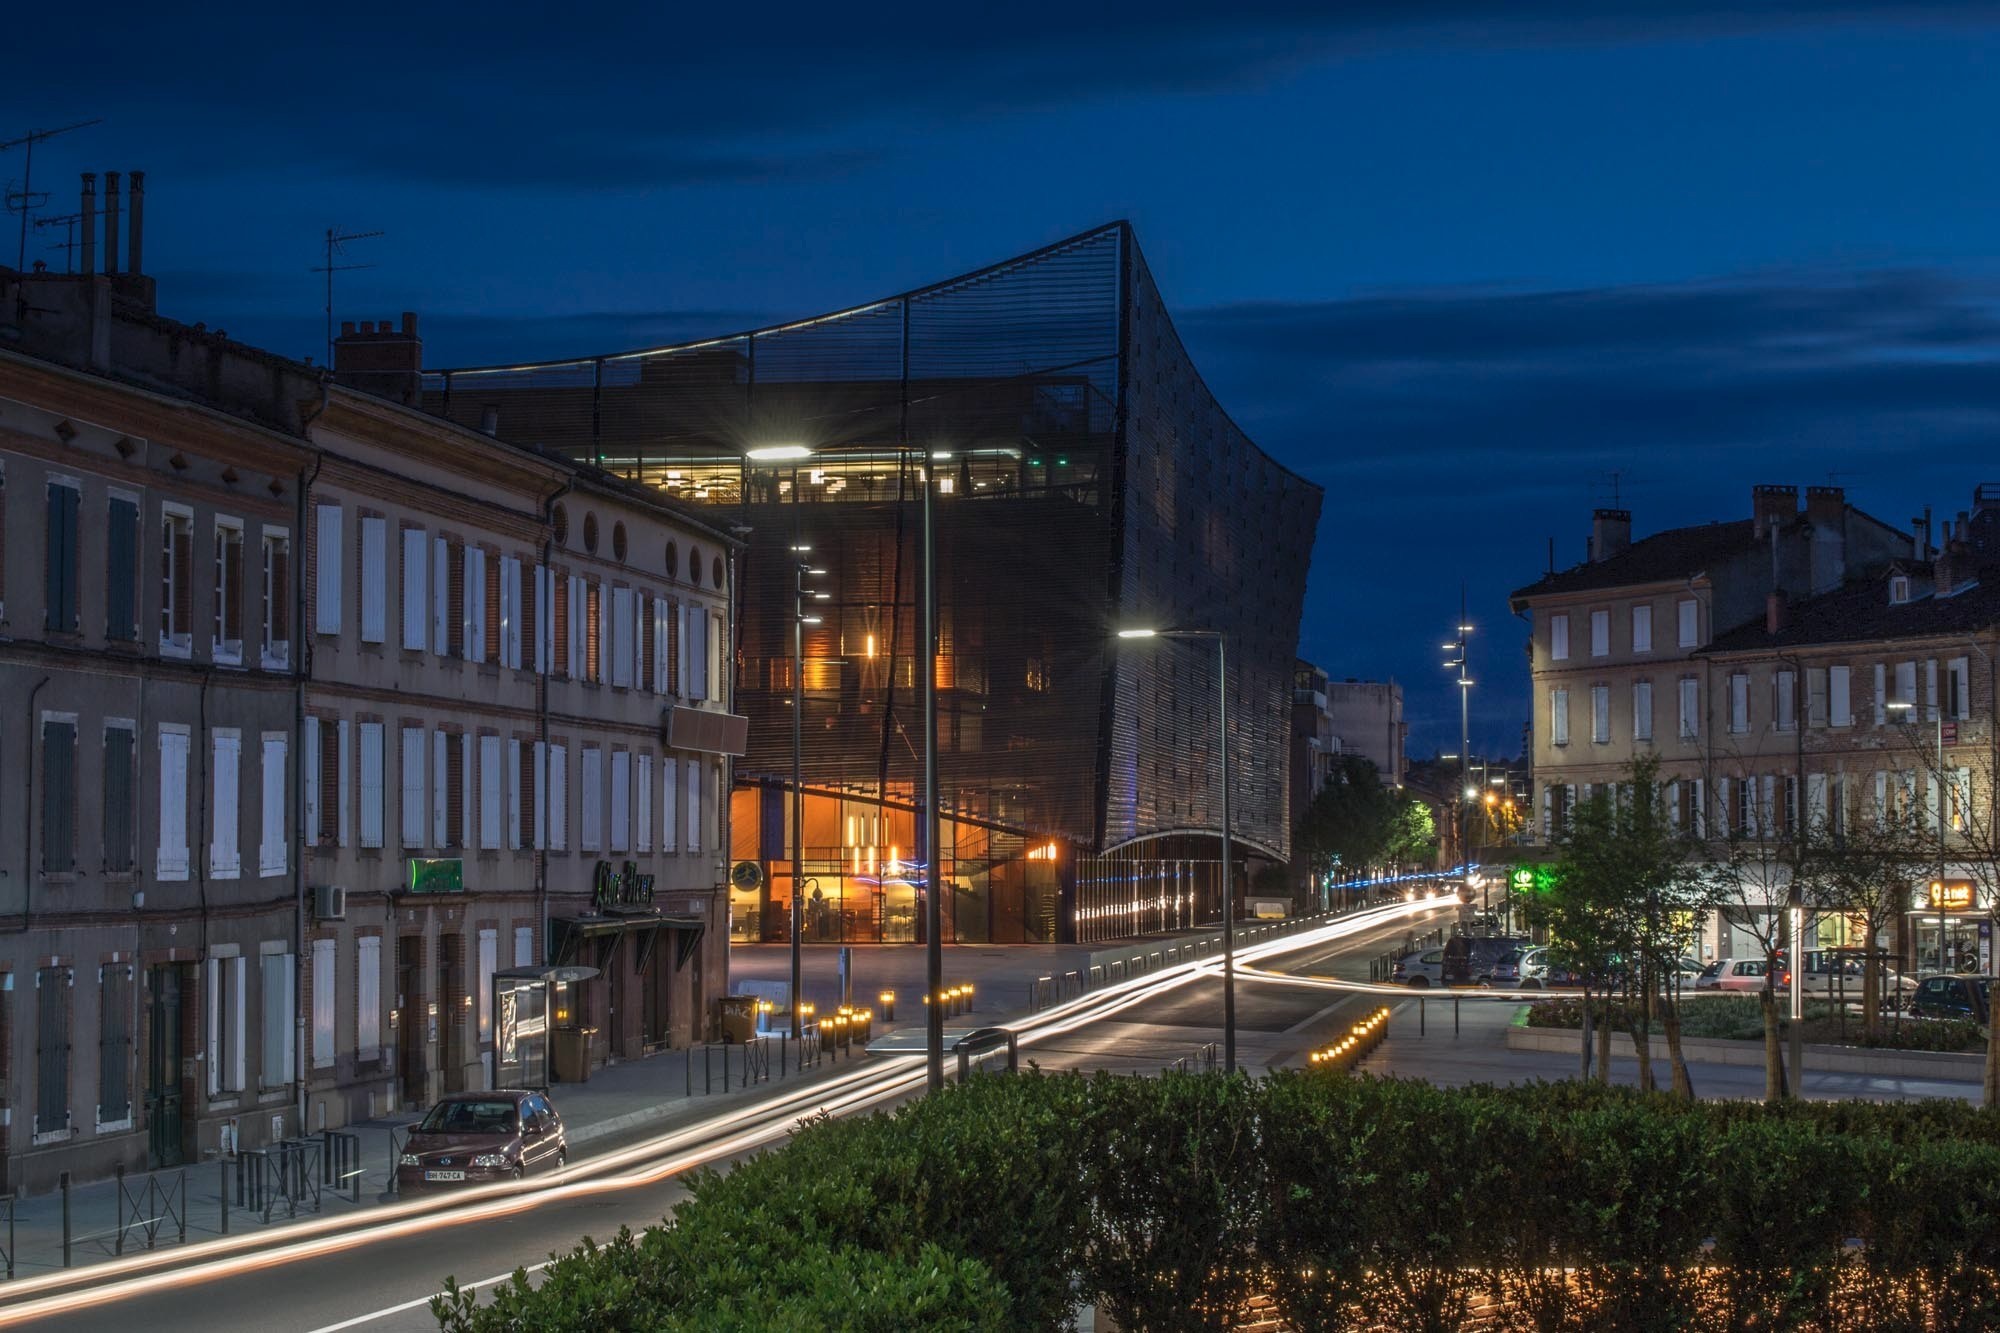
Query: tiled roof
<point x="1860" y="612"/>
<point x="1673" y="554"/>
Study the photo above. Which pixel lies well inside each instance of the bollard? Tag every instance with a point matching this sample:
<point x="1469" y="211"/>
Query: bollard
<point x="1420" y="1018"/>
<point x="64" y="1180"/>
<point x="707" y="1069"/>
<point x="888" y="999"/>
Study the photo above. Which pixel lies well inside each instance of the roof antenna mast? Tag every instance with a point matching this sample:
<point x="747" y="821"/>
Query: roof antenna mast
<point x="24" y="200"/>
<point x="335" y="238"/>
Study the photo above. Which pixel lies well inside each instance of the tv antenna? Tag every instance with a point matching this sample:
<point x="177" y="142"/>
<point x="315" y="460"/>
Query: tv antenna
<point x="25" y="200"/>
<point x="335" y="239"/>
<point x="67" y="245"/>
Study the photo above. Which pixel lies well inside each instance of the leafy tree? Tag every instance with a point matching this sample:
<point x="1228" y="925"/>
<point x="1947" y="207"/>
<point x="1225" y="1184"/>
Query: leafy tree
<point x="1350" y="820"/>
<point x="1862" y="869"/>
<point x="1413" y="835"/>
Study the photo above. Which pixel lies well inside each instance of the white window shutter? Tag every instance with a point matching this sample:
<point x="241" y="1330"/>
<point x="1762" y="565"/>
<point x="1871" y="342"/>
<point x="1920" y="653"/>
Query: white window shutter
<point x="340" y="813"/>
<point x="368" y="996"/>
<point x="374" y="580"/>
<point x="621" y="800"/>
<point x="374" y="800"/>
<point x="660" y="663"/>
<point x="524" y="946"/>
<point x="489" y="792"/>
<point x="468" y="792"/>
<point x="541" y="762"/>
<point x="576" y="619"/>
<point x="694" y="799"/>
<point x="510" y="612"/>
<point x="621" y="661"/>
<point x="558" y="798"/>
<point x="415" y="812"/>
<point x="225" y="854"/>
<point x="590" y="831"/>
<point x="641" y="624"/>
<point x="238" y="1013"/>
<point x="272" y="843"/>
<point x="213" y="987"/>
<point x="681" y="676"/>
<point x="416" y="590"/>
<point x="172" y="858"/>
<point x="323" y="975"/>
<point x="328" y="566"/>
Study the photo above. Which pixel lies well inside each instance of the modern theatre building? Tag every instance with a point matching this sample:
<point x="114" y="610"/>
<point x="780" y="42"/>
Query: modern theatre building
<point x="1083" y="480"/>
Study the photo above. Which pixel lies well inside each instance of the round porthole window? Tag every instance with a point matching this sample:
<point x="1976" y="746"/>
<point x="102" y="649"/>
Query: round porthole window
<point x="694" y="565"/>
<point x="617" y="541"/>
<point x="562" y="526"/>
<point x="673" y="560"/>
<point x="590" y="533"/>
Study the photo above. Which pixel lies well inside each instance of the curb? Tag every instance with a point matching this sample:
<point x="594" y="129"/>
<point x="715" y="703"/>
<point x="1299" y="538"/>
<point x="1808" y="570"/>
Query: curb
<point x="1820" y="1058"/>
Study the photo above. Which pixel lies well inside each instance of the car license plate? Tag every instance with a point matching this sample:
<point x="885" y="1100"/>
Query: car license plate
<point x="444" y="1175"/>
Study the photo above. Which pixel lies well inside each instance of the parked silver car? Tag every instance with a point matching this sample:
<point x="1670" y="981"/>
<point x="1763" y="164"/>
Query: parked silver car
<point x="1419" y="970"/>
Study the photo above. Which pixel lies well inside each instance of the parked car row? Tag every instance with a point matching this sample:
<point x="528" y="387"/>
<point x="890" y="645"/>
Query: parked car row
<point x="1506" y="963"/>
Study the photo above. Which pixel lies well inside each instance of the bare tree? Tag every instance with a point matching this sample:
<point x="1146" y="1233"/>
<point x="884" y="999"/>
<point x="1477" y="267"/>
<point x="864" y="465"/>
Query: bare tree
<point x="1745" y="884"/>
<point x="1862" y="869"/>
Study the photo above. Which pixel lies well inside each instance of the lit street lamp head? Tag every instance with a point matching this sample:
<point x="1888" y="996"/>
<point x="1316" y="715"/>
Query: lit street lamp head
<point x="777" y="453"/>
<point x="1138" y="634"/>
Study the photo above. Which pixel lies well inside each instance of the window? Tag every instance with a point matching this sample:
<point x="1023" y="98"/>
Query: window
<point x="618" y="540"/>
<point x="534" y="622"/>
<point x="673" y="560"/>
<point x="271" y="851"/>
<point x="1690" y="636"/>
<point x="590" y="835"/>
<point x="1840" y="696"/>
<point x="60" y="604"/>
<point x="1816" y="696"/>
<point x="1930" y="689"/>
<point x="415" y="811"/>
<point x="416" y="590"/>
<point x="652" y="638"/>
<point x="276" y="984"/>
<point x="561" y="518"/>
<point x="621" y="800"/>
<point x="372" y="784"/>
<point x="225" y="856"/>
<point x="374" y="580"/>
<point x="450" y="789"/>
<point x="1559" y="717"/>
<point x="489" y="608"/>
<point x="593" y="633"/>
<point x="121" y="569"/>
<point x="58" y="793"/>
<point x="277" y="651"/>
<point x="1600" y="633"/>
<point x="228" y="639"/>
<point x="327" y="569"/>
<point x="524" y="946"/>
<point x="670" y="803"/>
<point x="590" y="532"/>
<point x="1881" y="694"/>
<point x="1958" y="692"/>
<point x="176" y="580"/>
<point x="1600" y="714"/>
<point x="367" y="997"/>
<point x="489" y="961"/>
<point x="1899" y="589"/>
<point x="562" y="640"/>
<point x="120" y="798"/>
<point x="1642" y="629"/>
<point x="1959" y="796"/>
<point x="489" y="793"/>
<point x="225" y="1024"/>
<point x="1642" y="710"/>
<point x="527" y="821"/>
<point x="621" y="637"/>
<point x="1690" y="710"/>
<point x="52" y="1012"/>
<point x="114" y="1045"/>
<point x="694" y="565"/>
<point x="1739" y="703"/>
<point x="1906" y="682"/>
<point x="642" y="803"/>
<point x="454" y="642"/>
<point x="510" y="620"/>
<point x="323" y="977"/>
<point x="325" y="768"/>
<point x="697" y="652"/>
<point x="1784" y="700"/>
<point x="172" y="860"/>
<point x="558" y="807"/>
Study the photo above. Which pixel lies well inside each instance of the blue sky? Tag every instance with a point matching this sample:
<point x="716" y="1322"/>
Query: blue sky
<point x="1459" y="269"/>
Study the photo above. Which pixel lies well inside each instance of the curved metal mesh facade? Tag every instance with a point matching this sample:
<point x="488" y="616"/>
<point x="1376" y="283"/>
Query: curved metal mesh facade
<point x="1085" y="479"/>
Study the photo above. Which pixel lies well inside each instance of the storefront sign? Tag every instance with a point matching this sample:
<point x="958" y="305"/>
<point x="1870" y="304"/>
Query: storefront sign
<point x="625" y="888"/>
<point x="441" y="875"/>
<point x="1951" y="895"/>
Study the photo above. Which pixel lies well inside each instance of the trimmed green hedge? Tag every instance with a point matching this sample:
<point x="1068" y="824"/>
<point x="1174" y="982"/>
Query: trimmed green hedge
<point x="1739" y="1017"/>
<point x="1172" y="1202"/>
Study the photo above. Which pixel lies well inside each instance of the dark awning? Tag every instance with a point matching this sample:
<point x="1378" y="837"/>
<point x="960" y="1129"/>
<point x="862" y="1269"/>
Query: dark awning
<point x="567" y="933"/>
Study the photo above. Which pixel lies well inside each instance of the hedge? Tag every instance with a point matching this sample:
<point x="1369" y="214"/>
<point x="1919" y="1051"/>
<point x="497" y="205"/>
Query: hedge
<point x="1347" y="1202"/>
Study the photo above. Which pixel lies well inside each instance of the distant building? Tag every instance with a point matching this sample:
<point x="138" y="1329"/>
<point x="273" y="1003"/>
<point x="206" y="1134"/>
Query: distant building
<point x="1764" y="661"/>
<point x="1334" y="718"/>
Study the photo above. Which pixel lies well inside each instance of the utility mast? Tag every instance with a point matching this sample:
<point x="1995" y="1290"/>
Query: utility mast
<point x="25" y="200"/>
<point x="335" y="239"/>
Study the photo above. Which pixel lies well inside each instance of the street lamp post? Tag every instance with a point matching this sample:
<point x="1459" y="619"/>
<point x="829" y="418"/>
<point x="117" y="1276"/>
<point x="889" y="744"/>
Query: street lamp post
<point x="933" y="913"/>
<point x="1228" y="889"/>
<point x="1466" y="791"/>
<point x="802" y="570"/>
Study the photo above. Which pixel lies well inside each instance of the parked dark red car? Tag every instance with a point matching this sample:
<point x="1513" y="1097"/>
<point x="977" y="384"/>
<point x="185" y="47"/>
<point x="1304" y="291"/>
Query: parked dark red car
<point x="473" y="1138"/>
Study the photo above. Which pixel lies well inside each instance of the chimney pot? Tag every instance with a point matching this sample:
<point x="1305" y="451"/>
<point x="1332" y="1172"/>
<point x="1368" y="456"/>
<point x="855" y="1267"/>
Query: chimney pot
<point x="1774" y="612"/>
<point x="110" y="222"/>
<point x="347" y="328"/>
<point x="410" y="323"/>
<point x="1610" y="533"/>
<point x="135" y="264"/>
<point x="89" y="223"/>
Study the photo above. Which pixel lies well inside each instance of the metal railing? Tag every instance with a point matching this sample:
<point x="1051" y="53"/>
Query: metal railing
<point x="7" y="1209"/>
<point x="286" y="1174"/>
<point x="1383" y="965"/>
<point x="1205" y="1059"/>
<point x="148" y="1209"/>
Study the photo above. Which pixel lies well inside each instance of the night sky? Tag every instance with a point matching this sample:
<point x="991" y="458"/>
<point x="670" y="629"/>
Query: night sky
<point x="1457" y="269"/>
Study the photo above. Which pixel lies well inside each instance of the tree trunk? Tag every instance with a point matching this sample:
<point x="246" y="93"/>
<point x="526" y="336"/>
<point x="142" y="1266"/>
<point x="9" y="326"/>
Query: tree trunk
<point x="1584" y="1054"/>
<point x="1774" y="1055"/>
<point x="1989" y="1095"/>
<point x="1642" y="1032"/>
<point x="1604" y="1043"/>
<point x="1676" y="1060"/>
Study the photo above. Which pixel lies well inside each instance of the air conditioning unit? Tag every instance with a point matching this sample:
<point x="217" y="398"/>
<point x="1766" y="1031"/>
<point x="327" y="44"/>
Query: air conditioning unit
<point x="330" y="902"/>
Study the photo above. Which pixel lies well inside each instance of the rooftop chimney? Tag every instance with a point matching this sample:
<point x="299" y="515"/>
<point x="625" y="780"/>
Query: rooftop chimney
<point x="110" y="222"/>
<point x="89" y="210"/>
<point x="1774" y="611"/>
<point x="138" y="222"/>
<point x="1610" y="533"/>
<point x="1826" y="511"/>
<point x="1955" y="566"/>
<point x="1771" y="507"/>
<point x="381" y="359"/>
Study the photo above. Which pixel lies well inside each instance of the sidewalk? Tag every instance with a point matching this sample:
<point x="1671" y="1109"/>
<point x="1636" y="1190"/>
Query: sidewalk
<point x="624" y="1100"/>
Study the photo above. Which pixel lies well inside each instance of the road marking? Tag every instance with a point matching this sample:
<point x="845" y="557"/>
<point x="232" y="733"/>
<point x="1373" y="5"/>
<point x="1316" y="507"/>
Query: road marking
<point x="1303" y="1024"/>
<point x="384" y="1313"/>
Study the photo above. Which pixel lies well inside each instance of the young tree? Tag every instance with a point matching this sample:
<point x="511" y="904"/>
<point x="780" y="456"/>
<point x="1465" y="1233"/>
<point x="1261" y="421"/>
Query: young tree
<point x="1413" y="837"/>
<point x="1862" y="869"/>
<point x="1746" y="882"/>
<point x="1349" y="821"/>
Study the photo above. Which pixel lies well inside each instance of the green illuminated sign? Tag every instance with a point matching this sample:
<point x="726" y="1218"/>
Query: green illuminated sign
<point x="441" y="875"/>
<point x="1531" y="879"/>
